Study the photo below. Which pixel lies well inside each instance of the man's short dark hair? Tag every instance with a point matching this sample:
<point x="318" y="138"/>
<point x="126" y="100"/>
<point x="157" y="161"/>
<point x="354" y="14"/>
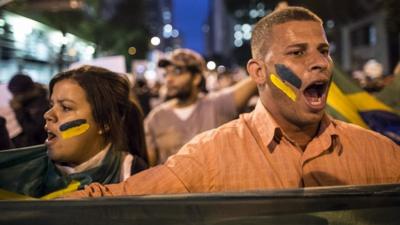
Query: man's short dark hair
<point x="263" y="29"/>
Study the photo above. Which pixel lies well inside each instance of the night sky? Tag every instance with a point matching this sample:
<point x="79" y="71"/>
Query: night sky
<point x="189" y="17"/>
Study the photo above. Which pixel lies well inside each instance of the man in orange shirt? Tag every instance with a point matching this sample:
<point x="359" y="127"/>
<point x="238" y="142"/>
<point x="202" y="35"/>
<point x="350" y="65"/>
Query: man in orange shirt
<point x="287" y="141"/>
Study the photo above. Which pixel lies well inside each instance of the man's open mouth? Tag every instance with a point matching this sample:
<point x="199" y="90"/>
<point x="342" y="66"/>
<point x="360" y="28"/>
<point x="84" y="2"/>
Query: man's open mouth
<point x="315" y="94"/>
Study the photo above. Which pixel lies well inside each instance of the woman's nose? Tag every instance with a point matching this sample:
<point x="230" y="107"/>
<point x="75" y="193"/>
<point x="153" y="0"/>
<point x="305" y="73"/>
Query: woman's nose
<point x="50" y="115"/>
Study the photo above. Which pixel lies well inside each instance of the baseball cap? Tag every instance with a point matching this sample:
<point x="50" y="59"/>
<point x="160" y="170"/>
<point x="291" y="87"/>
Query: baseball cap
<point x="186" y="58"/>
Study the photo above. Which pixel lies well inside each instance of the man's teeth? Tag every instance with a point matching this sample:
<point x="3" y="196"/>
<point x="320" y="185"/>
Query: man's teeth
<point x="315" y="100"/>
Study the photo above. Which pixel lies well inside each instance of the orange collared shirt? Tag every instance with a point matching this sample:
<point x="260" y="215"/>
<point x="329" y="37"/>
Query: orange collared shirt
<point x="253" y="153"/>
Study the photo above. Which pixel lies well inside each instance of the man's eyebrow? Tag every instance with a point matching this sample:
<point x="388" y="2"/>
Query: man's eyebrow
<point x="305" y="45"/>
<point x="323" y="45"/>
<point x="297" y="45"/>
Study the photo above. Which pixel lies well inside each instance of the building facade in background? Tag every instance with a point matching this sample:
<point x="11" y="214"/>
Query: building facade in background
<point x="36" y="49"/>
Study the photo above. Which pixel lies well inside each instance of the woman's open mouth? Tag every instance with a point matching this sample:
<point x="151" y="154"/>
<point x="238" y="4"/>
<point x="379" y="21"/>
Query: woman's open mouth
<point x="51" y="137"/>
<point x="315" y="95"/>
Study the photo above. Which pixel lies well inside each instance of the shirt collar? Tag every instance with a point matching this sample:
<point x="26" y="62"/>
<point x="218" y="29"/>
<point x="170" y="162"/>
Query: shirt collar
<point x="265" y="125"/>
<point x="270" y="133"/>
<point x="328" y="135"/>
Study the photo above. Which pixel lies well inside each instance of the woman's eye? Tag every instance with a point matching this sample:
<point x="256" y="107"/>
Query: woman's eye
<point x="66" y="108"/>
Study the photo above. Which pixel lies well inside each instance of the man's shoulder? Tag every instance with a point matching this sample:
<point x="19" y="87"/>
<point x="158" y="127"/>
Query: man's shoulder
<point x="160" y="110"/>
<point x="224" y="132"/>
<point x="351" y="128"/>
<point x="354" y="131"/>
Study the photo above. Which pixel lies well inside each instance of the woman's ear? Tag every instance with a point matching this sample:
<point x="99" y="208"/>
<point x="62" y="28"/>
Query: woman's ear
<point x="106" y="129"/>
<point x="257" y="71"/>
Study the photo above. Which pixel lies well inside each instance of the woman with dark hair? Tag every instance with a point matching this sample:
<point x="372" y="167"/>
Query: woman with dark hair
<point x="94" y="134"/>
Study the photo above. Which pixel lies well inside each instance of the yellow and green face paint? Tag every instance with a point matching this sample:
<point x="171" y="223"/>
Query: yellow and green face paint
<point x="73" y="128"/>
<point x="286" y="75"/>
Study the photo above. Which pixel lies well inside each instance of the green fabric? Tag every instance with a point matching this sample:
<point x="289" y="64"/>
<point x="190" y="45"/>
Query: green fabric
<point x="348" y="102"/>
<point x="29" y="171"/>
<point x="344" y="83"/>
<point x="335" y="114"/>
<point x="390" y="94"/>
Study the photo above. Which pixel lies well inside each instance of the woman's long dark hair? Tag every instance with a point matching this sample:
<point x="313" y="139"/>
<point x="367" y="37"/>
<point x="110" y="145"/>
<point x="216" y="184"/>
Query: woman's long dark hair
<point x="113" y="108"/>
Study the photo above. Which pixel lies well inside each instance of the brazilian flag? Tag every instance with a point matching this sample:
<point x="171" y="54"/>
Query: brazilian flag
<point x="28" y="173"/>
<point x="350" y="103"/>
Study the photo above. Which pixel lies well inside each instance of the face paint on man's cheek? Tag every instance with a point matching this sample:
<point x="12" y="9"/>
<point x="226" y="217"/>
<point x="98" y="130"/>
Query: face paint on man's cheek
<point x="73" y="128"/>
<point x="286" y="75"/>
<point x="283" y="87"/>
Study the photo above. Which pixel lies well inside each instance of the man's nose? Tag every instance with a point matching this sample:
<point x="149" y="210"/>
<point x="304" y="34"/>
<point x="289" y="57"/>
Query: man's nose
<point x="319" y="62"/>
<point x="169" y="78"/>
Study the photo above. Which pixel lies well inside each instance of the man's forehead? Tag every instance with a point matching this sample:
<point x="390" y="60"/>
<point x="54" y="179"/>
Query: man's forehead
<point x="292" y="32"/>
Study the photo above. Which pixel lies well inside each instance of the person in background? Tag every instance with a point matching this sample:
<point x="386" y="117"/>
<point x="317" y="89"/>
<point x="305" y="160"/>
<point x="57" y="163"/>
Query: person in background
<point x="373" y="71"/>
<point x="288" y="141"/>
<point x="5" y="142"/>
<point x="390" y="94"/>
<point x="143" y="94"/>
<point x="94" y="134"/>
<point x="29" y="103"/>
<point x="225" y="79"/>
<point x="189" y="111"/>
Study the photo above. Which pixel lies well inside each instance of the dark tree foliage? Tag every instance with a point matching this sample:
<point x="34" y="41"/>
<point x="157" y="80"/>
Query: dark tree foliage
<point x="112" y="31"/>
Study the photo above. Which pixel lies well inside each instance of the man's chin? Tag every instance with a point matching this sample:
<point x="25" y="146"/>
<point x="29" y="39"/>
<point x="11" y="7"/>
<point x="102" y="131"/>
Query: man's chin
<point x="314" y="118"/>
<point x="307" y="119"/>
<point x="179" y="96"/>
<point x="171" y="95"/>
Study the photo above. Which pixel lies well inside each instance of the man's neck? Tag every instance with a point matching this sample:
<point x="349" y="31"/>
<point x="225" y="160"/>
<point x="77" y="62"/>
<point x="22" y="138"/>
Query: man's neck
<point x="301" y="135"/>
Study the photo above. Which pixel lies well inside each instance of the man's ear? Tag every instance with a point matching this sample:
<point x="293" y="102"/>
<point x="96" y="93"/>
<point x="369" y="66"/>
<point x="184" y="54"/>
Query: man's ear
<point x="197" y="79"/>
<point x="257" y="71"/>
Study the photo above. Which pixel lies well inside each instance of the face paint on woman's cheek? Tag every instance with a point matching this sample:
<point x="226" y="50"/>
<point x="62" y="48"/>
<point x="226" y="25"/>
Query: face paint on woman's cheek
<point x="73" y="128"/>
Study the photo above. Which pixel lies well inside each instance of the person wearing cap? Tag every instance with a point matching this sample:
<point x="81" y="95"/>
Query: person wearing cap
<point x="29" y="103"/>
<point x="189" y="111"/>
<point x="288" y="141"/>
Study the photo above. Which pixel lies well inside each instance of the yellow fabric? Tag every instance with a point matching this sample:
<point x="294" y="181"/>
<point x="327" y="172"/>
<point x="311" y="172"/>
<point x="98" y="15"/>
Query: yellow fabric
<point x="345" y="105"/>
<point x="75" y="131"/>
<point x="7" y="195"/>
<point x="283" y="87"/>
<point x="366" y="102"/>
<point x="73" y="186"/>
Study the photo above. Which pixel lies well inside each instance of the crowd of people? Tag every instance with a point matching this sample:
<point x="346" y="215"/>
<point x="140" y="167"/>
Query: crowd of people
<point x="96" y="133"/>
